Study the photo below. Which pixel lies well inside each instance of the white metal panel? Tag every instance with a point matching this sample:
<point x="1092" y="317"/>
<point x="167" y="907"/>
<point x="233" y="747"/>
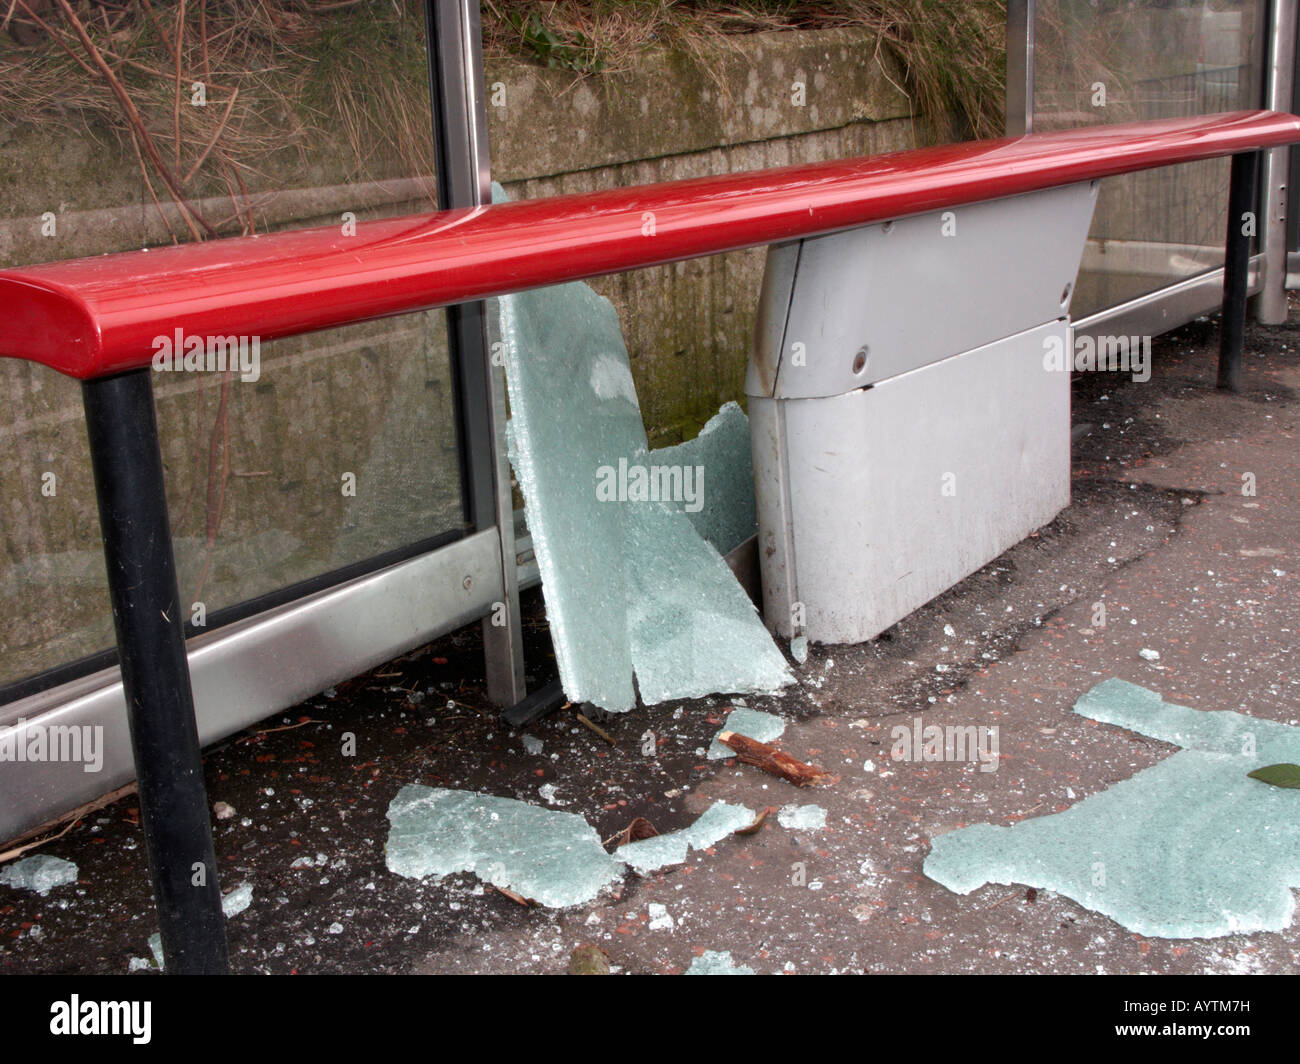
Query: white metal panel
<point x="917" y="290"/>
<point x="873" y="502"/>
<point x="773" y="310"/>
<point x="772" y="504"/>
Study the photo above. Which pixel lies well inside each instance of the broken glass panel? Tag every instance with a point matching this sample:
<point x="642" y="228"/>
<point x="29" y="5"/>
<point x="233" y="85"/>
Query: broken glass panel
<point x="551" y="857"/>
<point x="572" y="414"/>
<point x="763" y="727"/>
<point x="631" y="588"/>
<point x="693" y="628"/>
<point x="1189" y="848"/>
<point x="660" y="851"/>
<point x="40" y="873"/>
<point x="725" y="514"/>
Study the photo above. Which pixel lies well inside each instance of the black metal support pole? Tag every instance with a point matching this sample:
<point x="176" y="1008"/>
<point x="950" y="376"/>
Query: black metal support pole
<point x="123" y="433"/>
<point x="1242" y="222"/>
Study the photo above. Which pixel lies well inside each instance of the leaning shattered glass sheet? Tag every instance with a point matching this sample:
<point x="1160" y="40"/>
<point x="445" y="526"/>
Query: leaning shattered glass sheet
<point x="726" y="513"/>
<point x="1189" y="848"/>
<point x="631" y="588"/>
<point x="693" y="628"/>
<point x="573" y="411"/>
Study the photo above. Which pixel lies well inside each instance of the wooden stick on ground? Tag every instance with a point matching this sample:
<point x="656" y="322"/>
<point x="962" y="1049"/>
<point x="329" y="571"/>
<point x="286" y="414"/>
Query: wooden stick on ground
<point x="597" y="729"/>
<point x="772" y="760"/>
<point x="21" y="842"/>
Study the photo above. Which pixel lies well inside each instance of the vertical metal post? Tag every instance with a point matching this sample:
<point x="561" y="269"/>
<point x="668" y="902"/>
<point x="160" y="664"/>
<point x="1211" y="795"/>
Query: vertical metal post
<point x="123" y="431"/>
<point x="1236" y="267"/>
<point x="1271" y="306"/>
<point x="1020" y="67"/>
<point x="1293" y="190"/>
<point x="462" y="170"/>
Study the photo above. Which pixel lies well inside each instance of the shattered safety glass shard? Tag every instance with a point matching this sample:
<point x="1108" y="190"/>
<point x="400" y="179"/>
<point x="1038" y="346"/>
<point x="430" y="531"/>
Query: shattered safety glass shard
<point x="40" y="873"/>
<point x="725" y="514"/>
<point x="631" y="587"/>
<point x="1189" y="848"/>
<point x="754" y="723"/>
<point x="694" y="630"/>
<point x="802" y="817"/>
<point x="550" y="857"/>
<point x="715" y="824"/>
<point x="713" y="962"/>
<point x="571" y="415"/>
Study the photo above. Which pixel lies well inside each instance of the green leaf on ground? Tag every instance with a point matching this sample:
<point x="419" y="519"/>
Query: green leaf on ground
<point x="1283" y="775"/>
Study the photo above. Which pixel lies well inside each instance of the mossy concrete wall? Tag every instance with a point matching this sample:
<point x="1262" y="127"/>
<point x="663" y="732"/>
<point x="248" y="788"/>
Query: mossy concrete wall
<point x="769" y="100"/>
<point x="375" y="399"/>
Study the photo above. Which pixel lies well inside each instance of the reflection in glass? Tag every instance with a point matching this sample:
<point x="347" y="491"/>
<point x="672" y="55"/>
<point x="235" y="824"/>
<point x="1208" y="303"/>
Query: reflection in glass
<point x="1110" y="62"/>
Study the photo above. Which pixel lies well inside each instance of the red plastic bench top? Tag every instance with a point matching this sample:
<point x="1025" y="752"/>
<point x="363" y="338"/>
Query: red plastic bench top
<point x="97" y="316"/>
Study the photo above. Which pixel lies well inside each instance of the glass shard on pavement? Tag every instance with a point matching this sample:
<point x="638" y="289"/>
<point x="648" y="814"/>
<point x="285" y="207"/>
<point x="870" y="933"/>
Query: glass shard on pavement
<point x="40" y="873"/>
<point x="660" y="851"/>
<point x="802" y="817"/>
<point x="1189" y="848"/>
<point x="714" y="962"/>
<point x="551" y="857"/>
<point x="763" y="727"/>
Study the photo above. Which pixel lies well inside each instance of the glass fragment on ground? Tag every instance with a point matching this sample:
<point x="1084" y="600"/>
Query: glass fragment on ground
<point x="1189" y="848"/>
